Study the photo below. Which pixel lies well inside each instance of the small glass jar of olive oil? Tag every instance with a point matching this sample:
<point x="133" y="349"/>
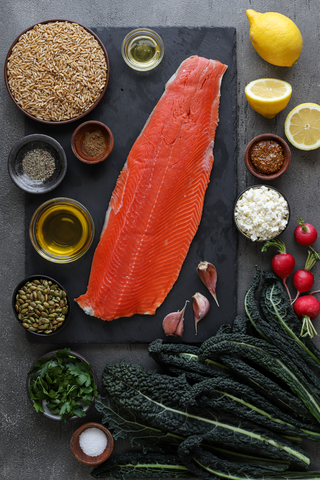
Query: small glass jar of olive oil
<point x="61" y="230"/>
<point x="142" y="49"/>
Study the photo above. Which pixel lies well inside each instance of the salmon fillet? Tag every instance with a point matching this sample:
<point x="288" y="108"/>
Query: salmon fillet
<point x="156" y="206"/>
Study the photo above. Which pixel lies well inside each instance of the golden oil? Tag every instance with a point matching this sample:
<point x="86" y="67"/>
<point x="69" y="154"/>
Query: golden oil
<point x="142" y="49"/>
<point x="63" y="230"/>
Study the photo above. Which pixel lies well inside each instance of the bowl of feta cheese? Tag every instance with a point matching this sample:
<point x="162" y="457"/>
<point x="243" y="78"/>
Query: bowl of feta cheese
<point x="261" y="213"/>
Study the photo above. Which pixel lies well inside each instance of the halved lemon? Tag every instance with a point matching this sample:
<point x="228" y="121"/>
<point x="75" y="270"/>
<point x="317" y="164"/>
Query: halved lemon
<point x="302" y="126"/>
<point x="268" y="96"/>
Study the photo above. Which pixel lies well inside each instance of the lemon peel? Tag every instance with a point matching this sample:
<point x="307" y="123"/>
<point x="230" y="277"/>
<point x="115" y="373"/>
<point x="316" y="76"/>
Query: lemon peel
<point x="302" y="126"/>
<point x="275" y="37"/>
<point x="268" y="96"/>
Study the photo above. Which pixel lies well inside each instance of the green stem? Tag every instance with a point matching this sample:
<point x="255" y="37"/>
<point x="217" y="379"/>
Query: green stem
<point x="302" y="225"/>
<point x="311" y="259"/>
<point x="275" y="243"/>
<point x="307" y="327"/>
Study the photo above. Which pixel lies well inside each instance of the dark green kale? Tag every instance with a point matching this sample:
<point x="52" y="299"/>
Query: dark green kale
<point x="268" y="357"/>
<point x="178" y="358"/>
<point x="229" y="396"/>
<point x="140" y="465"/>
<point x="286" y="325"/>
<point x="155" y="401"/>
<point x="267" y="387"/>
<point x="208" y="466"/>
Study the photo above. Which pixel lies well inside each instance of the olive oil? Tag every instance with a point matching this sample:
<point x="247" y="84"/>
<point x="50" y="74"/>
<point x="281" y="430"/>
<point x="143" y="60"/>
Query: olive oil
<point x="63" y="230"/>
<point x="143" y="50"/>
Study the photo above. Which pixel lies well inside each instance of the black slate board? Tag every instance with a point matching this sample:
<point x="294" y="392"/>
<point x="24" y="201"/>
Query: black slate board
<point x="129" y="100"/>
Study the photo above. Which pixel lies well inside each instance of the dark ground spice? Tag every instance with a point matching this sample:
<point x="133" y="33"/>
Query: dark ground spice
<point x="267" y="156"/>
<point x="94" y="143"/>
<point x="38" y="164"/>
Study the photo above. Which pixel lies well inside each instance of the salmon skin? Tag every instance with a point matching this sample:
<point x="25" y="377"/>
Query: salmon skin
<point x="157" y="203"/>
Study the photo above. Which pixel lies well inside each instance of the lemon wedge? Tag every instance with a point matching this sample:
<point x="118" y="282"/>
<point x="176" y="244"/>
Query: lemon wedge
<point x="302" y="126"/>
<point x="268" y="96"/>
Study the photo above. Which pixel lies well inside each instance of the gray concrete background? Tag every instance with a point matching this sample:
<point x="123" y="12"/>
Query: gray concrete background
<point x="33" y="447"/>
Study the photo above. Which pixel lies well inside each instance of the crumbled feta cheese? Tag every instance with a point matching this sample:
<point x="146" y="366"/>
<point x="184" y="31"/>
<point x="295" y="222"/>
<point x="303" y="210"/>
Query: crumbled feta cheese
<point x="261" y="213"/>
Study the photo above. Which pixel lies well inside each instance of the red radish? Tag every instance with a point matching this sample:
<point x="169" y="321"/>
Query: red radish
<point x="307" y="308"/>
<point x="305" y="233"/>
<point x="303" y="280"/>
<point x="282" y="263"/>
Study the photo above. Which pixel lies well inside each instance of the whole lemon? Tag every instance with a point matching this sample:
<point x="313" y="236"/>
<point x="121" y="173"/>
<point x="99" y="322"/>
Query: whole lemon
<point x="275" y="37"/>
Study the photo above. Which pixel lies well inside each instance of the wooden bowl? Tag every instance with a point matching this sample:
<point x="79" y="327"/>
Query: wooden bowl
<point x="78" y="138"/>
<point x="286" y="153"/>
<point x="78" y="452"/>
<point x="70" y="119"/>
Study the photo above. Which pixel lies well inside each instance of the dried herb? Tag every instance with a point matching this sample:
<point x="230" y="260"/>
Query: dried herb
<point x="38" y="164"/>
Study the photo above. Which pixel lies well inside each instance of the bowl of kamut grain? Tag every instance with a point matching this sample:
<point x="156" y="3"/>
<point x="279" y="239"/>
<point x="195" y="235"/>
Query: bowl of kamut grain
<point x="57" y="71"/>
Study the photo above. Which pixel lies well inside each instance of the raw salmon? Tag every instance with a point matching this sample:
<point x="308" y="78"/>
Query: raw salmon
<point x="156" y="206"/>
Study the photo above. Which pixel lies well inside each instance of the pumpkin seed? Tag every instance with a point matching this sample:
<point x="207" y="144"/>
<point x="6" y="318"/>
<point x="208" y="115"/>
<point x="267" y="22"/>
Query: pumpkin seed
<point x="40" y="302"/>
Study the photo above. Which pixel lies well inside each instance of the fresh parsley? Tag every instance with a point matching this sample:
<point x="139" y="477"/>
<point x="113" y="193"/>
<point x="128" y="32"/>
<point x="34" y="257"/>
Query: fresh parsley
<point x="64" y="382"/>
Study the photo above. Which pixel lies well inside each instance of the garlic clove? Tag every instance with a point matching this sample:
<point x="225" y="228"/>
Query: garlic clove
<point x="173" y="323"/>
<point x="201" y="307"/>
<point x="208" y="275"/>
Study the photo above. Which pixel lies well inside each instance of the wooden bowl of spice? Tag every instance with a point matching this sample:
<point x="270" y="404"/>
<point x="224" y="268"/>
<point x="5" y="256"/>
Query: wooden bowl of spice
<point x="92" y="443"/>
<point x="267" y="156"/>
<point x="37" y="163"/>
<point x="92" y="142"/>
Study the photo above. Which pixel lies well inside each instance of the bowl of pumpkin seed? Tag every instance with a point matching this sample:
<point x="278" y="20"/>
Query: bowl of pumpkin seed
<point x="41" y="305"/>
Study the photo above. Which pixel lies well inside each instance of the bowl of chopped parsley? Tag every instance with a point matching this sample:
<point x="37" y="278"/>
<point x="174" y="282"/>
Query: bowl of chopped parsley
<point x="37" y="163"/>
<point x="62" y="385"/>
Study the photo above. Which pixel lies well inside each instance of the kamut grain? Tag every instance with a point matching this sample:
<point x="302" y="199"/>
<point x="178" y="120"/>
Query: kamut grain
<point x="56" y="71"/>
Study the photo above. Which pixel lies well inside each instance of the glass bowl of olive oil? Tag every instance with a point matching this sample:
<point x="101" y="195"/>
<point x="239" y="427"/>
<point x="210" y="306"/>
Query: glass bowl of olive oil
<point x="142" y="49"/>
<point x="61" y="230"/>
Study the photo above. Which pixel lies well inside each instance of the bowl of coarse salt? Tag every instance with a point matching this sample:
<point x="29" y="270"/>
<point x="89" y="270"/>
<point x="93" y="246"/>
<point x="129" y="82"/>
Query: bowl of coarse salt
<point x="92" y="443"/>
<point x="261" y="213"/>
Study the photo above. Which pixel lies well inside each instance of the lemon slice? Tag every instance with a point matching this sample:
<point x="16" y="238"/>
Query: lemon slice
<point x="302" y="126"/>
<point x="268" y="96"/>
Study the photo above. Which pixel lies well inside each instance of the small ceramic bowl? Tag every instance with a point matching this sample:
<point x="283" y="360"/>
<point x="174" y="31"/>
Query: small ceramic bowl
<point x="77" y="117"/>
<point x="261" y="216"/>
<point x="36" y="180"/>
<point x="79" y="453"/>
<point x="286" y="154"/>
<point x="47" y="412"/>
<point x="142" y="49"/>
<point x="18" y="291"/>
<point x="69" y="226"/>
<point x="80" y="136"/>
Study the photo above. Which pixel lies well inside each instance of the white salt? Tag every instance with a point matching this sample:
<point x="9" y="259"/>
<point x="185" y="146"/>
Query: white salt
<point x="93" y="441"/>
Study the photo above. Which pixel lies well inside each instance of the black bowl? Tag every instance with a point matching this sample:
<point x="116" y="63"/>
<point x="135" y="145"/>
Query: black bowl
<point x="14" y="300"/>
<point x="27" y="144"/>
<point x="247" y="235"/>
<point x="47" y="412"/>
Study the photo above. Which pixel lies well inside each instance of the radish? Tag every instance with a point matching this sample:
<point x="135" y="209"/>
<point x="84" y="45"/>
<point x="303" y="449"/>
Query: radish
<point x="282" y="263"/>
<point x="305" y="233"/>
<point x="303" y="279"/>
<point x="307" y="308"/>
